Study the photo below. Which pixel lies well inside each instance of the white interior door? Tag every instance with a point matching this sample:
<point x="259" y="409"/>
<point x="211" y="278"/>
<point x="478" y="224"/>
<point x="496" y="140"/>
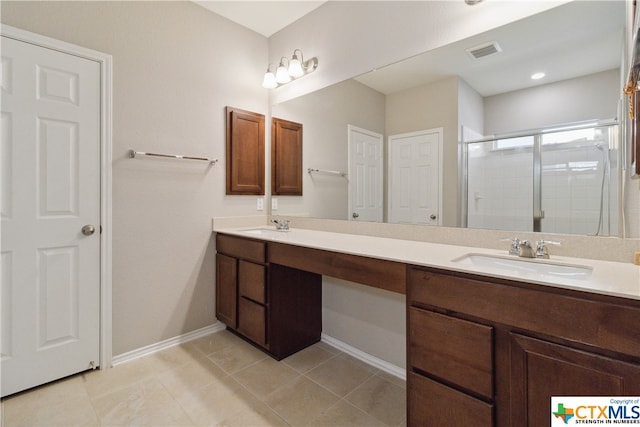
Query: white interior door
<point x="415" y="177"/>
<point x="50" y="202"/>
<point x="365" y="175"/>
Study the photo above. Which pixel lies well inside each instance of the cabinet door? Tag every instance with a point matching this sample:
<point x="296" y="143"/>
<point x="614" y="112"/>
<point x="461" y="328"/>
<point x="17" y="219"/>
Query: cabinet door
<point x="226" y="290"/>
<point x="540" y="370"/>
<point x="286" y="158"/>
<point x="245" y="152"/>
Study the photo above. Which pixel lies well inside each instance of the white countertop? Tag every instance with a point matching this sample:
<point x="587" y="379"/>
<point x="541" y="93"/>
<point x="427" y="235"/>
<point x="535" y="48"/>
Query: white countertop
<point x="606" y="277"/>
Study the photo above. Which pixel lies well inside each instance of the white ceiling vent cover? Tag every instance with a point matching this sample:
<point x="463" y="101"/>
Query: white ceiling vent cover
<point x="483" y="50"/>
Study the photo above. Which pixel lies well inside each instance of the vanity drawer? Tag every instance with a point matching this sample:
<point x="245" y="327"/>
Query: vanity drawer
<point x="433" y="404"/>
<point x="455" y="350"/>
<point x="252" y="320"/>
<point x="251" y="281"/>
<point x="570" y="315"/>
<point x="251" y="250"/>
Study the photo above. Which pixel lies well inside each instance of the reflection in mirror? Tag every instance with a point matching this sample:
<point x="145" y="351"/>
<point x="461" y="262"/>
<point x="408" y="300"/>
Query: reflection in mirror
<point x="559" y="181"/>
<point x="579" y="47"/>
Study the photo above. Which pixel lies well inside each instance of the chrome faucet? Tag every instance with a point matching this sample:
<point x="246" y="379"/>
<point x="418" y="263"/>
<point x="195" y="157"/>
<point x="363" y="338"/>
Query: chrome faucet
<point x="525" y="249"/>
<point x="281" y="224"/>
<point x="541" y="248"/>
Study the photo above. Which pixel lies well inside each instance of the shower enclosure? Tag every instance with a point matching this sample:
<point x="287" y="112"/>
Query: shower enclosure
<point x="561" y="180"/>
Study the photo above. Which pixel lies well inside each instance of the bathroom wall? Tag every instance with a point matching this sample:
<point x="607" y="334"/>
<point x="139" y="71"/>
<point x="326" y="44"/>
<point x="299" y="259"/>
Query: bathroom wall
<point x="175" y="67"/>
<point x="595" y="96"/>
<point x="470" y="110"/>
<point x="632" y="207"/>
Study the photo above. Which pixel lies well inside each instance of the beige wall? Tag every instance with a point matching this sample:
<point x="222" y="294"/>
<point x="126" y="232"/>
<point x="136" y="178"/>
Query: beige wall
<point x="175" y="67"/>
<point x="592" y="97"/>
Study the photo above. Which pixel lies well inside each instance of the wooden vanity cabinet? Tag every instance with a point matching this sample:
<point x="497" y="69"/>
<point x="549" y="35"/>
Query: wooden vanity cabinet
<point x="275" y="307"/>
<point x="505" y="348"/>
<point x="227" y="290"/>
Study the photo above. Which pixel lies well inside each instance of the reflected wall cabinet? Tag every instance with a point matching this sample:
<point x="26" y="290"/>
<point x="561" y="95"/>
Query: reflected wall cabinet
<point x="286" y="158"/>
<point x="245" y="152"/>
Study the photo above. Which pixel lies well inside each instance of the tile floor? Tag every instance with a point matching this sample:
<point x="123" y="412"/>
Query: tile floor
<point x="218" y="380"/>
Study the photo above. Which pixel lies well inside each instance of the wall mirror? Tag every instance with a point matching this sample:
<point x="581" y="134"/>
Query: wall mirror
<point x="463" y="136"/>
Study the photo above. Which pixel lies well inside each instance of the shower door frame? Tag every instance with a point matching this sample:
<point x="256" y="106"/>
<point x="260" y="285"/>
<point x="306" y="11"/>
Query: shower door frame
<point x="538" y="213"/>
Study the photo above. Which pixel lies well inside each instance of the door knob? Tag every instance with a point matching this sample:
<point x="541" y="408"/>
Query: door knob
<point x="88" y="230"/>
<point x="433" y="217"/>
<point x="355" y="215"/>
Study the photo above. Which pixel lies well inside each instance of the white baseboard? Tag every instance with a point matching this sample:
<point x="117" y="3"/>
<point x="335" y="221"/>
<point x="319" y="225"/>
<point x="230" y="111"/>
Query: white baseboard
<point x="163" y="345"/>
<point x="376" y="362"/>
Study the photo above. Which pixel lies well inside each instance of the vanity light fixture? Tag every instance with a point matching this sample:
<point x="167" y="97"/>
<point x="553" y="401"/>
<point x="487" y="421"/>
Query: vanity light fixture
<point x="289" y="70"/>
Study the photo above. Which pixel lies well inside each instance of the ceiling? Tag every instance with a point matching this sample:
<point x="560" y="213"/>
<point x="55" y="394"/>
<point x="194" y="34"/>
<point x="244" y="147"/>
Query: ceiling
<point x="565" y="42"/>
<point x="264" y="17"/>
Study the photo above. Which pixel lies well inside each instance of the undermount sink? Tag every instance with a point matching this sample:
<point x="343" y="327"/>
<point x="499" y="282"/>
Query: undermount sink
<point x="265" y="231"/>
<point x="527" y="265"/>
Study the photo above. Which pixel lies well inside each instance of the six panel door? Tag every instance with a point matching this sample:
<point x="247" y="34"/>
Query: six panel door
<point x="50" y="191"/>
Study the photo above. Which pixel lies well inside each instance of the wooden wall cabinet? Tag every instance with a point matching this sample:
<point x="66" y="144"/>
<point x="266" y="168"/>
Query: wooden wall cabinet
<point x="245" y="152"/>
<point x="505" y="348"/>
<point x="286" y="158"/>
<point x="277" y="308"/>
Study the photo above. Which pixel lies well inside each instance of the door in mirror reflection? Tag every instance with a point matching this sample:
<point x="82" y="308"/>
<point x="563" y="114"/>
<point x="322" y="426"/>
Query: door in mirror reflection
<point x="555" y="181"/>
<point x="365" y="175"/>
<point x="414" y="177"/>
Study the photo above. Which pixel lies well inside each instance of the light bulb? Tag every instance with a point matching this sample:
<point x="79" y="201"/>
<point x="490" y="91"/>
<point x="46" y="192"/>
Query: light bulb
<point x="269" y="81"/>
<point x="295" y="67"/>
<point x="282" y="75"/>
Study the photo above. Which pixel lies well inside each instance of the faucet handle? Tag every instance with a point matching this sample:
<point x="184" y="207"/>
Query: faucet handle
<point x="515" y="245"/>
<point x="541" y="248"/>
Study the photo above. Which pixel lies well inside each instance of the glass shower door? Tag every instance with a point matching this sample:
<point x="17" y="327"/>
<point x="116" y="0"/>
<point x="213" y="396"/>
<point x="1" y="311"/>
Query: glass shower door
<point x="555" y="181"/>
<point x="500" y="184"/>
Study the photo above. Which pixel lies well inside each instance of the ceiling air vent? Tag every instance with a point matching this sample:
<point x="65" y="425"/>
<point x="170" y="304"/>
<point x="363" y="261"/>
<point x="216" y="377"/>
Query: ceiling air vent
<point x="483" y="50"/>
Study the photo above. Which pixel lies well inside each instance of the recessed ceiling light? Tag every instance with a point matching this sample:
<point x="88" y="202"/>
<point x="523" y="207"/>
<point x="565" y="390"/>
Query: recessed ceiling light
<point x="537" y="76"/>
